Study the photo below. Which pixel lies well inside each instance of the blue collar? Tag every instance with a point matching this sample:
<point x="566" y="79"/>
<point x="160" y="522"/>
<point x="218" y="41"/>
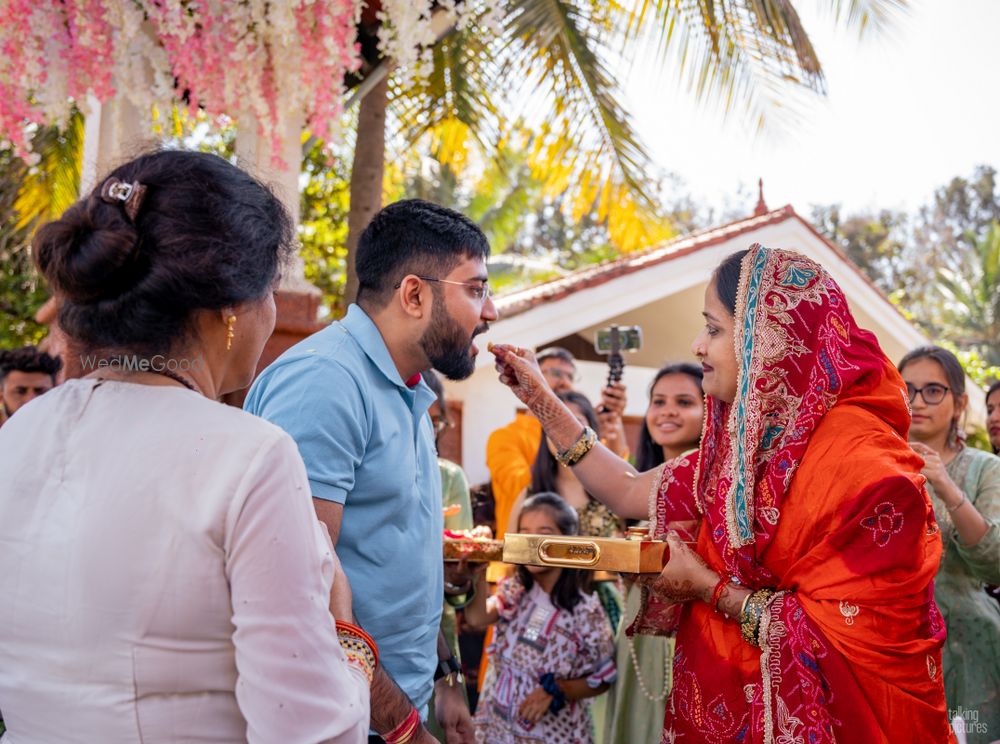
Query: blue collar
<point x="363" y="329"/>
<point x="366" y="333"/>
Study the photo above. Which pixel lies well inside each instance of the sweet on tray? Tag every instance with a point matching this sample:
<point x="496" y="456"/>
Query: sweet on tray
<point x="476" y="545"/>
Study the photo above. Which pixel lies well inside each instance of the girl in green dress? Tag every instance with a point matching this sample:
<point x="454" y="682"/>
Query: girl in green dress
<point x="964" y="484"/>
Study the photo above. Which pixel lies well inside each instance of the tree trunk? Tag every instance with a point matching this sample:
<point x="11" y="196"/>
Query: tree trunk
<point x="366" y="175"/>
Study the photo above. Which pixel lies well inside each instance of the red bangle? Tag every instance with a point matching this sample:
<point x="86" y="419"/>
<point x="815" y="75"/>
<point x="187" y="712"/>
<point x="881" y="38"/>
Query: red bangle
<point x="405" y="730"/>
<point x="717" y="594"/>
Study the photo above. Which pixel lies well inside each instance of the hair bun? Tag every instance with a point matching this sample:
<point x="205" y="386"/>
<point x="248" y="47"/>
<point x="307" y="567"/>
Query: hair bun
<point x="90" y="253"/>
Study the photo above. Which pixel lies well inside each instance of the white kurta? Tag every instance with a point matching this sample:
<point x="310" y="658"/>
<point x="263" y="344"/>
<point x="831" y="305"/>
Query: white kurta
<point x="163" y="577"/>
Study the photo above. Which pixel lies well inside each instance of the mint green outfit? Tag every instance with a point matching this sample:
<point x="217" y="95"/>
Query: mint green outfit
<point x="971" y="656"/>
<point x="454" y="491"/>
<point x="635" y="715"/>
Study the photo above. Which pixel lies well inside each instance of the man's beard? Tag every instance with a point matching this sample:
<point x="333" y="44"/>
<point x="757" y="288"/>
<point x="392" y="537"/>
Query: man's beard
<point x="447" y="347"/>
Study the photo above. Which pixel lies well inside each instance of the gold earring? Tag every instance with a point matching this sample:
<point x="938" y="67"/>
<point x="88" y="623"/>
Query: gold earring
<point x="230" y="323"/>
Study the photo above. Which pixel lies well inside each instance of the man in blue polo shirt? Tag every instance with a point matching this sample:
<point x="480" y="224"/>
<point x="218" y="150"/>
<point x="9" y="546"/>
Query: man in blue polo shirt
<point x="352" y="398"/>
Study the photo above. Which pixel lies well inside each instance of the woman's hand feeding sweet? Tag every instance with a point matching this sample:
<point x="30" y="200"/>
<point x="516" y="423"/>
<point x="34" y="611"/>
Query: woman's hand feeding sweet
<point x="520" y="372"/>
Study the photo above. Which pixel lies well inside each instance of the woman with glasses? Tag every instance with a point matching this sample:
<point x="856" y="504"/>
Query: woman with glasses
<point x="964" y="484"/>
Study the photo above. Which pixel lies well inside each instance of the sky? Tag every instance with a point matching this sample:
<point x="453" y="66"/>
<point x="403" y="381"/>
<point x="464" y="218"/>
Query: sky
<point x="905" y="112"/>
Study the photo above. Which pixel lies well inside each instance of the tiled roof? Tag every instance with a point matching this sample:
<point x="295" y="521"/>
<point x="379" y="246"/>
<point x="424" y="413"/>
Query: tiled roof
<point x="592" y="276"/>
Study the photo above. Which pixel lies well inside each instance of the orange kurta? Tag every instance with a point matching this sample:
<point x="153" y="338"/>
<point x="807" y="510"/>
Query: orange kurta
<point x="510" y="452"/>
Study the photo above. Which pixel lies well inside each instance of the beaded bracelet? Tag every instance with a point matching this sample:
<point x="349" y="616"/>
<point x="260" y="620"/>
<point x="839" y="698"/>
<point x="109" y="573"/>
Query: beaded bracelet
<point x="584" y="443"/>
<point x="359" y="648"/>
<point x="405" y="730"/>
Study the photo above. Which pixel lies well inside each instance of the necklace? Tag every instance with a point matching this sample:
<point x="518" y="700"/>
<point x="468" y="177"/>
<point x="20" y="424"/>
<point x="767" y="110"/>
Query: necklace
<point x="176" y="377"/>
<point x="638" y="675"/>
<point x="172" y="375"/>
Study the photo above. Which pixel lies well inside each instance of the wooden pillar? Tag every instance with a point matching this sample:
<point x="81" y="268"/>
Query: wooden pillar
<point x="113" y="132"/>
<point x="297" y="300"/>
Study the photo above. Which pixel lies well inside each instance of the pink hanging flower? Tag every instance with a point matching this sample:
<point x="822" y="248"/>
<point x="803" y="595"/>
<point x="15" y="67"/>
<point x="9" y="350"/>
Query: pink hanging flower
<point x="253" y="58"/>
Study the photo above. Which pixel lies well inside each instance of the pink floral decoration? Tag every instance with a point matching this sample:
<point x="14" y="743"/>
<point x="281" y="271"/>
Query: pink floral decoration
<point x="252" y="57"/>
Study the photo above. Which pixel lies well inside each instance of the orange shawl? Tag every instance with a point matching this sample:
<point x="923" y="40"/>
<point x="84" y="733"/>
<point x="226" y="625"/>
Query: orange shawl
<point x="806" y="485"/>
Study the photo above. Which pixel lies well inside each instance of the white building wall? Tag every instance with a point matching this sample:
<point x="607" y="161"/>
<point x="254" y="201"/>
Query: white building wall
<point x="488" y="405"/>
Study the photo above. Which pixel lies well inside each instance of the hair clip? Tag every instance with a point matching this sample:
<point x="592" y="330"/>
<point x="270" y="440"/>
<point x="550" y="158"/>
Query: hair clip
<point x="129" y="195"/>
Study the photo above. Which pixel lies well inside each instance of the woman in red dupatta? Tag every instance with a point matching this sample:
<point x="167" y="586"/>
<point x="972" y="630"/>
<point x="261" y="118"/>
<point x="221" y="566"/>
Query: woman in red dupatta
<point x="805" y="612"/>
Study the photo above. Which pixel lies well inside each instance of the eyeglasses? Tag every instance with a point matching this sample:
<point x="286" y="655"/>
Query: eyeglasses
<point x="561" y="374"/>
<point x="480" y="290"/>
<point x="932" y="394"/>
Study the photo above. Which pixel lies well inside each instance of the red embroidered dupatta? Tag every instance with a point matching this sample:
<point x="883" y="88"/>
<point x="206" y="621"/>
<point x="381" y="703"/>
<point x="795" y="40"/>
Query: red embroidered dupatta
<point x="805" y="484"/>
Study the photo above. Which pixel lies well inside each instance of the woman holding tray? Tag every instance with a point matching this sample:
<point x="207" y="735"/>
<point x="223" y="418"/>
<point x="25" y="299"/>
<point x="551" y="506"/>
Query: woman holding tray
<point x="805" y="611"/>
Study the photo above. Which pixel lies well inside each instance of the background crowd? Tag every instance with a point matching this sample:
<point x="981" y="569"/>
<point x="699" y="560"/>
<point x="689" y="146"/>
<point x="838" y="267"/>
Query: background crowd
<point x="227" y="611"/>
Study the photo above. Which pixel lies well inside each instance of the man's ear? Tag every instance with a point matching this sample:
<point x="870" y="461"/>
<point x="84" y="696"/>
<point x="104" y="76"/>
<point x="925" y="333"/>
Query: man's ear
<point x="413" y="296"/>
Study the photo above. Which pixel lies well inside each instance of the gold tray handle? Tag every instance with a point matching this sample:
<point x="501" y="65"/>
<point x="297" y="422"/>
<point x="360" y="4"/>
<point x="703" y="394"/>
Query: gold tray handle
<point x="571" y="553"/>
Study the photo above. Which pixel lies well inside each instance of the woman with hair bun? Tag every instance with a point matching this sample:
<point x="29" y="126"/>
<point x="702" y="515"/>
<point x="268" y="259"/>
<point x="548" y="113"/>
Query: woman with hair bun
<point x="164" y="576"/>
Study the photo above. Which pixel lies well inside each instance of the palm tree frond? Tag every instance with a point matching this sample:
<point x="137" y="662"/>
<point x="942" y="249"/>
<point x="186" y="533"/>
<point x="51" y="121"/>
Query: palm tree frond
<point x="53" y="183"/>
<point x="586" y="144"/>
<point x="868" y="16"/>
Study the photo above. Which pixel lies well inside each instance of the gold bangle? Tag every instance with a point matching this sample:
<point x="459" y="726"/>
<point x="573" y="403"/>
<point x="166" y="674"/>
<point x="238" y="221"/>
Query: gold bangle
<point x="743" y="606"/>
<point x="584" y="443"/>
<point x="957" y="506"/>
<point x="750" y="618"/>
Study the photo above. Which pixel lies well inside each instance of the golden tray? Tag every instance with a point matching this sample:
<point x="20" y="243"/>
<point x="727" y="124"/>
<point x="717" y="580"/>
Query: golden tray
<point x="623" y="555"/>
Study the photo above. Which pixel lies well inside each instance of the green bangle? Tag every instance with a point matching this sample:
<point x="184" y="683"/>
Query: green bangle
<point x="460" y="601"/>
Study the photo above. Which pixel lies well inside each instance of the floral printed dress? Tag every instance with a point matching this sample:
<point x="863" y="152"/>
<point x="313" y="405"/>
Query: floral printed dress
<point x="533" y="637"/>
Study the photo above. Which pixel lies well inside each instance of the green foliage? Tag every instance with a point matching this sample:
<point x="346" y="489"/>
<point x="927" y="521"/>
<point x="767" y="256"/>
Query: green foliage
<point x="22" y="291"/>
<point x="553" y="68"/>
<point x="30" y="196"/>
<point x="983" y="375"/>
<point x="52" y="184"/>
<point x="957" y="240"/>
<point x="941" y="265"/>
<point x="978" y="369"/>
<point x="970" y="310"/>
<point x="324" y="201"/>
<point x="872" y="241"/>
